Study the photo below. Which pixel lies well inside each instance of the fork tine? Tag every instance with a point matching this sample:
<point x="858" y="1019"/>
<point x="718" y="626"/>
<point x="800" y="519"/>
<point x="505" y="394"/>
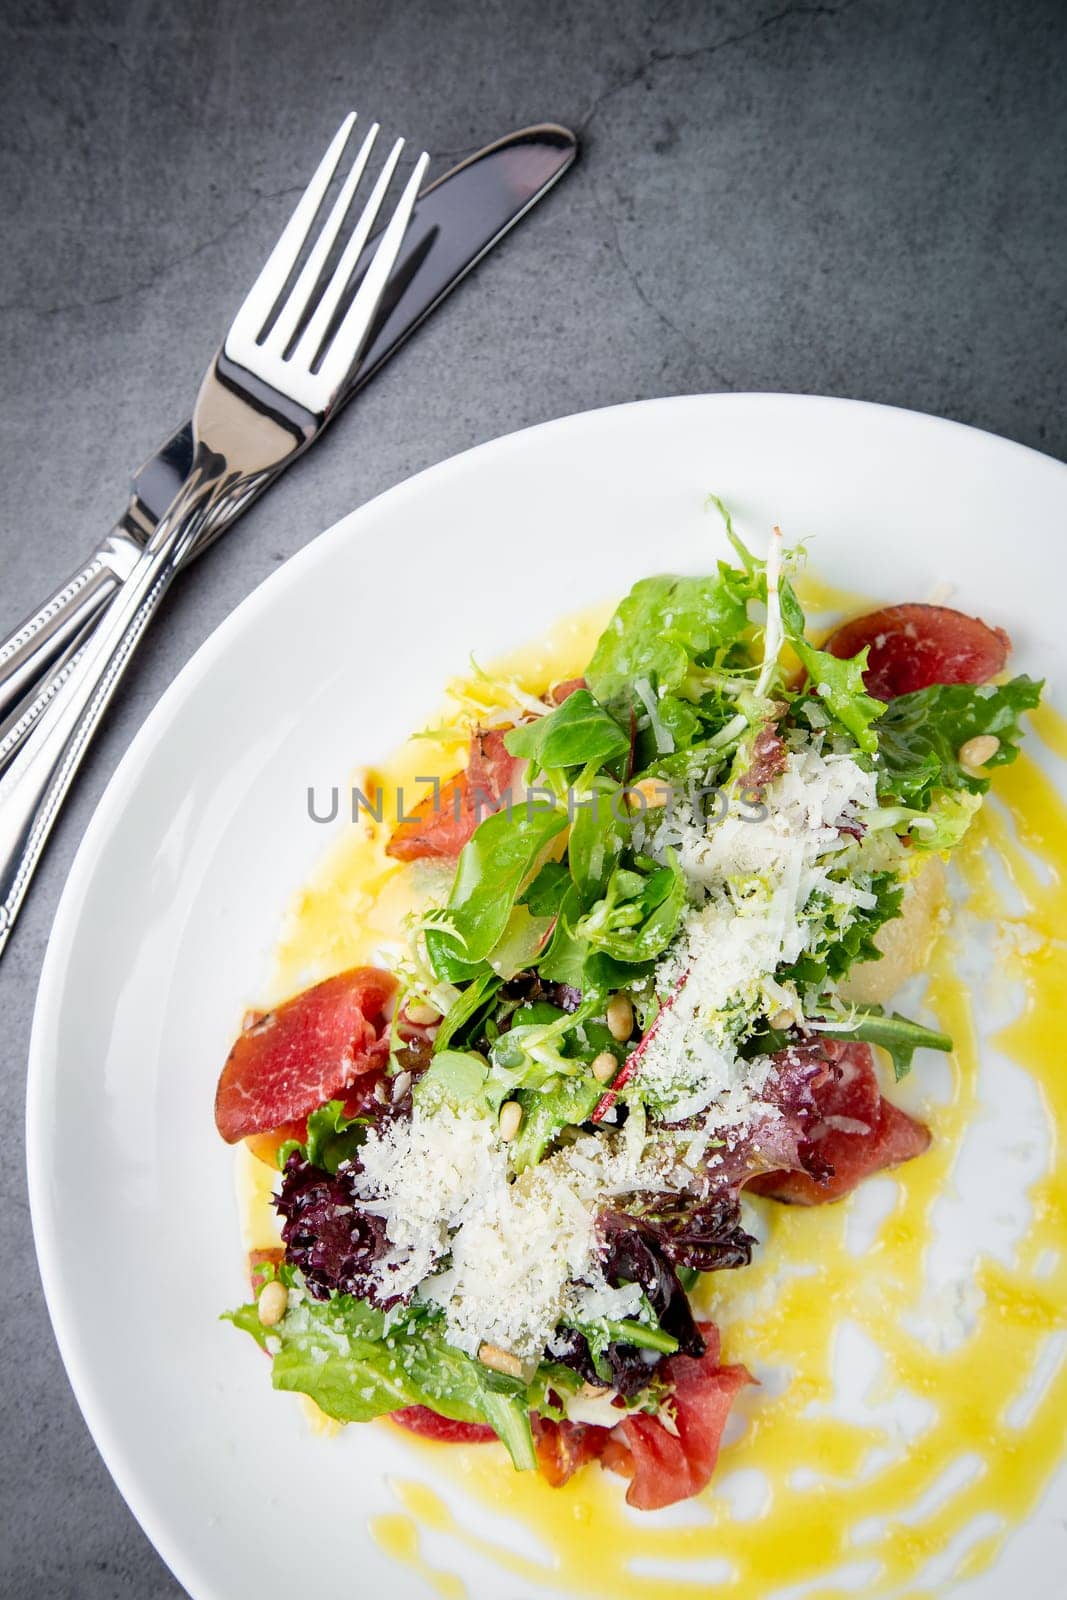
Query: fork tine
<point x="261" y="298"/>
<point x="348" y="342"/>
<point x="315" y="332"/>
<point x="302" y="290"/>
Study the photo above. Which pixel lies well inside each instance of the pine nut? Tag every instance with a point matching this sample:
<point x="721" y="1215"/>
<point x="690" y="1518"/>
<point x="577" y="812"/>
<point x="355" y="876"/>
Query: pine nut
<point x="650" y="794"/>
<point x="273" y="1303"/>
<point x="421" y="1014"/>
<point x="620" y="1017"/>
<point x="976" y="752"/>
<point x="510" y="1120"/>
<point x="605" y="1066"/>
<point x="781" y="1020"/>
<point x="500" y="1360"/>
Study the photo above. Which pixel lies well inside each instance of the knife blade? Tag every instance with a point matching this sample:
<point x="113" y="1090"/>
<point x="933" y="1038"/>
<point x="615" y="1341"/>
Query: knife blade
<point x="456" y="221"/>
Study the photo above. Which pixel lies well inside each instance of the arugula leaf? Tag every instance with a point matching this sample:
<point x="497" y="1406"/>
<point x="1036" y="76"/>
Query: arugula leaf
<point x="897" y="1035"/>
<point x="921" y="734"/>
<point x="793" y="619"/>
<point x="579" y="733"/>
<point x="744" y="554"/>
<point x="605" y="1331"/>
<point x="332" y="1138"/>
<point x="550" y="1386"/>
<point x="628" y="1331"/>
<point x="493" y="866"/>
<point x="341" y="1353"/>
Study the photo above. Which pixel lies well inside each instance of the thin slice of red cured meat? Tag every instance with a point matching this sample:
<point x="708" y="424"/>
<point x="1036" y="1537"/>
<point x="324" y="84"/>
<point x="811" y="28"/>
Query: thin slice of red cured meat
<point x="667" y="1457"/>
<point x="440" y="825"/>
<point x="563" y="691"/>
<point x="305" y="1052"/>
<point x="914" y="646"/>
<point x="428" y="1425"/>
<point x="858" y="1133"/>
<point x="768" y="761"/>
<point x="665" y="1465"/>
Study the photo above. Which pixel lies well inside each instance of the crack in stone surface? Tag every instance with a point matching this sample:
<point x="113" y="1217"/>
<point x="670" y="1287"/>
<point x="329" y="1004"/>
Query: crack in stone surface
<point x="655" y="58"/>
<point x="646" y="299"/>
<point x="159" y="274"/>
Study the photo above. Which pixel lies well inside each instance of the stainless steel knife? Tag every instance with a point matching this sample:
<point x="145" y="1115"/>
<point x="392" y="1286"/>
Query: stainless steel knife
<point x="456" y="221"/>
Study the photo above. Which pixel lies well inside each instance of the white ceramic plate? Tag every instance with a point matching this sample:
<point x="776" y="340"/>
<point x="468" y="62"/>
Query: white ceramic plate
<point x="166" y="926"/>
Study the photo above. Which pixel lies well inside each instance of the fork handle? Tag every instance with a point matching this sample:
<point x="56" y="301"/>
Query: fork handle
<point x="39" y="639"/>
<point x="35" y="782"/>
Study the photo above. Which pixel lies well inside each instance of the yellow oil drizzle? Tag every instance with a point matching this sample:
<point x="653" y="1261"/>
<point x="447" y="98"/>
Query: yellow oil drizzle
<point x="398" y="1535"/>
<point x="860" y="1498"/>
<point x="824" y="601"/>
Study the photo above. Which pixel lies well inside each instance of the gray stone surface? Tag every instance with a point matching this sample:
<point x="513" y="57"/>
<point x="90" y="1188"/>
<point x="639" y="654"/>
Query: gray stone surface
<point x="858" y="199"/>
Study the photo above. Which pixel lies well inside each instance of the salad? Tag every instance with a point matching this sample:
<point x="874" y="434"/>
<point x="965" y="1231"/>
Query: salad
<point x="507" y="1154"/>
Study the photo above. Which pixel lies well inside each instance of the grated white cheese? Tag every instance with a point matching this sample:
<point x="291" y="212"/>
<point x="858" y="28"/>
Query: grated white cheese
<point x="754" y="879"/>
<point x="505" y="1260"/>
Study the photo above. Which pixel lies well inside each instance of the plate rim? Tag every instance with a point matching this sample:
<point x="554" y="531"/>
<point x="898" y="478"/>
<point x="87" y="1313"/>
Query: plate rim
<point x="181" y="1558"/>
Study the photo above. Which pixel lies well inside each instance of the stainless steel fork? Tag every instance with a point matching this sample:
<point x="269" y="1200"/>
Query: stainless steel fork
<point x="269" y="392"/>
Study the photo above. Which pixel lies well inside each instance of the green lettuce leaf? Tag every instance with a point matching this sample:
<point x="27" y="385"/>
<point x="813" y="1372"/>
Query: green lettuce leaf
<point x="546" y="1112"/>
<point x="579" y="733"/>
<point x="837" y="685"/>
<point x="342" y="1354"/>
<point x="661" y="626"/>
<point x="473" y="1002"/>
<point x="493" y="866"/>
<point x="946" y="822"/>
<point x="921" y="734"/>
<point x="332" y="1138"/>
<point x="454" y="1078"/>
<point x="645" y="657"/>
<point x="838" y="949"/>
<point x="599" y="833"/>
<point x="638" y="914"/>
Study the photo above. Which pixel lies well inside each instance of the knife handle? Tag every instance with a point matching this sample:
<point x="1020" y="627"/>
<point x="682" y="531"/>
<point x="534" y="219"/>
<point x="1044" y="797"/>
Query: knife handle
<point x="40" y="639"/>
<point x="38" y="775"/>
